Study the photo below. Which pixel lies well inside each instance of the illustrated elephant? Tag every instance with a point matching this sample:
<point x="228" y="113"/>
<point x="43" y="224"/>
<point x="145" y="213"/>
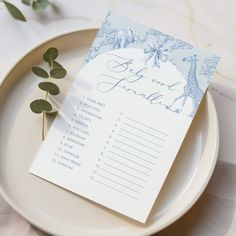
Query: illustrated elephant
<point x="127" y="36"/>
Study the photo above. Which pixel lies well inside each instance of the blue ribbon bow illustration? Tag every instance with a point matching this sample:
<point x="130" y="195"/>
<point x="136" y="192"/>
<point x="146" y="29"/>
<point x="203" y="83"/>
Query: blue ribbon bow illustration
<point x="157" y="53"/>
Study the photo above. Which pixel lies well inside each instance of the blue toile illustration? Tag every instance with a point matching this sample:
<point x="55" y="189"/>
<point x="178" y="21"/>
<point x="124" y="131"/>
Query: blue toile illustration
<point x="196" y="65"/>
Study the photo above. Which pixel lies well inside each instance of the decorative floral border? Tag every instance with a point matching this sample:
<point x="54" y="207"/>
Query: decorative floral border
<point x="196" y="65"/>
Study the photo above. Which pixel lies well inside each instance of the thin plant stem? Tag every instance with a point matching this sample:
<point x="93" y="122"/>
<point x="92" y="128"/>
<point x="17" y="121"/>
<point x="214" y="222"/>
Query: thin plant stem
<point x="46" y="98"/>
<point x="43" y="126"/>
<point x="43" y="123"/>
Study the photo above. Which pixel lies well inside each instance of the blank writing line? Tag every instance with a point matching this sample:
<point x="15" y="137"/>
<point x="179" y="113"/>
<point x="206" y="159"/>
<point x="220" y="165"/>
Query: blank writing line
<point x="138" y="143"/>
<point x="128" y="118"/>
<point x="130" y="160"/>
<point x="131" y="189"/>
<point x="133" y="155"/>
<point x="128" y="166"/>
<point x="140" y="137"/>
<point x="116" y="189"/>
<point x="135" y="148"/>
<point x="125" y="172"/>
<point x="122" y="178"/>
<point x="144" y="131"/>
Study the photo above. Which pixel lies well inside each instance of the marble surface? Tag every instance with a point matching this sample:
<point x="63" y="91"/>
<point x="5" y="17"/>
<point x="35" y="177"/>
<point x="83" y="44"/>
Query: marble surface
<point x="205" y="23"/>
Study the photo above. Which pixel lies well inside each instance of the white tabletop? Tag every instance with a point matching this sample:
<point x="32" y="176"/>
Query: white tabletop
<point x="207" y="24"/>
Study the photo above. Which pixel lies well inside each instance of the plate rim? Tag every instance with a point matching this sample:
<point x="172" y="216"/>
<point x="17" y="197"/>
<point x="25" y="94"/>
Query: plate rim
<point x="207" y="179"/>
<point x="151" y="230"/>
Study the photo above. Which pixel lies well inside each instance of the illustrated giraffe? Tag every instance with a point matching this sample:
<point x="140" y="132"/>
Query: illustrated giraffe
<point x="191" y="89"/>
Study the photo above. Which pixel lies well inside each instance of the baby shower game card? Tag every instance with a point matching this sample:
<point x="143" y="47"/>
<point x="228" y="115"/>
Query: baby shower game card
<point x="125" y="117"/>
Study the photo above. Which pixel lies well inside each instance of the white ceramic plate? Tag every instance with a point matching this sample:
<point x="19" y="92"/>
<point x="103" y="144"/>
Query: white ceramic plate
<point x="60" y="212"/>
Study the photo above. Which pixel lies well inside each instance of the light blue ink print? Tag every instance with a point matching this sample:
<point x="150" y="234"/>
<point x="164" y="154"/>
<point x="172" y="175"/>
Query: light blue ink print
<point x="105" y="36"/>
<point x="179" y="44"/>
<point x="119" y="32"/>
<point x="127" y="36"/>
<point x="209" y="66"/>
<point x="191" y="89"/>
<point x="159" y="37"/>
<point x="155" y="53"/>
<point x="114" y="38"/>
<point x="106" y="28"/>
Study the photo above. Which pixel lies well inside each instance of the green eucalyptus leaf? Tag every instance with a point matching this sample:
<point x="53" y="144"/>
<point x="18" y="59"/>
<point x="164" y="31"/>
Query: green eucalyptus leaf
<point x="50" y="87"/>
<point x="58" y="73"/>
<point x="40" y="4"/>
<point x="40" y="72"/>
<point x="50" y="55"/>
<point x="40" y="105"/>
<point x="14" y="11"/>
<point x="26" y="2"/>
<point x="55" y="64"/>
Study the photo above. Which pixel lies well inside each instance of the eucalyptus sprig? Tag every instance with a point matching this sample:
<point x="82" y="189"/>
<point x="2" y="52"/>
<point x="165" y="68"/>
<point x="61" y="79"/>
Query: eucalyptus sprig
<point x="56" y="71"/>
<point x="34" y="4"/>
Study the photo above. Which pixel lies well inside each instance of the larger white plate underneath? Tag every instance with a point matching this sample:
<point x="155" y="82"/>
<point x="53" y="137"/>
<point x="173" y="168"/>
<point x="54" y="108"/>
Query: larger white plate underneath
<point x="60" y="212"/>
